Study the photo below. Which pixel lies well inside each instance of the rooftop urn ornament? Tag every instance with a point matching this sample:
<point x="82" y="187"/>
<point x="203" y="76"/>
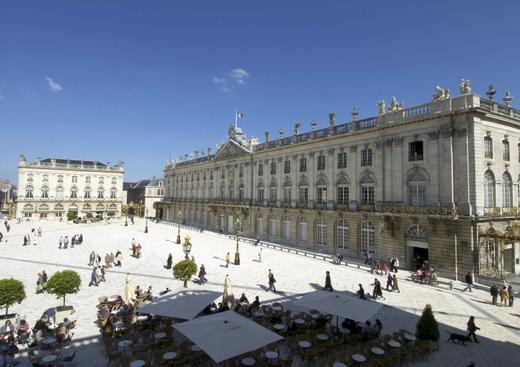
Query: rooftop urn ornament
<point x="440" y="94"/>
<point x="394" y="105"/>
<point x="267" y="136"/>
<point x="464" y="87"/>
<point x="491" y="92"/>
<point x="313" y="125"/>
<point x="508" y="99"/>
<point x="332" y="119"/>
<point x="281" y="133"/>
<point x="381" y="107"/>
<point x="354" y="114"/>
<point x="297" y="127"/>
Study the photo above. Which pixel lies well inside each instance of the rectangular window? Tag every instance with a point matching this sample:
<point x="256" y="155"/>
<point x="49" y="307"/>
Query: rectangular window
<point x="87" y="195"/>
<point x="74" y="194"/>
<point x="304" y="195"/>
<point x="342" y="160"/>
<point x="100" y="195"/>
<point x="45" y="178"/>
<point x="286" y="194"/>
<point x="342" y="196"/>
<point x="366" y="157"/>
<point x="488" y="147"/>
<point x="272" y="194"/>
<point x="321" y="163"/>
<point x="240" y="172"/>
<point x="260" y="169"/>
<point x="287" y="167"/>
<point x="416" y="194"/>
<point x="367" y="195"/>
<point x="87" y="179"/>
<point x="261" y="194"/>
<point x="321" y="197"/>
<point x="241" y="194"/>
<point x="74" y="179"/>
<point x="303" y="164"/>
<point x="505" y="150"/>
<point x="415" y="151"/>
<point x="60" y="179"/>
<point x="112" y="194"/>
<point x="29" y="177"/>
<point x="273" y="168"/>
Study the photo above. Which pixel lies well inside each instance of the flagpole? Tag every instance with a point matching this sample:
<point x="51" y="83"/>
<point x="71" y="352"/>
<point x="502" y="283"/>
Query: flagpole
<point x="236" y="118"/>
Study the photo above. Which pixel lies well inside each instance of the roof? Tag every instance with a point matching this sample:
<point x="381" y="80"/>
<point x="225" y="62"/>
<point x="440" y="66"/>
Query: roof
<point x="156" y="182"/>
<point x="141" y="184"/>
<point x="73" y="161"/>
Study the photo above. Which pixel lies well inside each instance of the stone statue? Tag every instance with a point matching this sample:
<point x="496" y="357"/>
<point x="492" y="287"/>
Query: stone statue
<point x="508" y="99"/>
<point x="332" y="119"/>
<point x="464" y="87"/>
<point x="381" y="106"/>
<point x="440" y="94"/>
<point x="394" y="105"/>
<point x="232" y="131"/>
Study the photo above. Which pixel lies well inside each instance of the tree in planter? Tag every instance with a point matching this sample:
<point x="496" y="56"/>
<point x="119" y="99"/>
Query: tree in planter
<point x="427" y="326"/>
<point x="89" y="215"/>
<point x="184" y="270"/>
<point x="11" y="291"/>
<point x="63" y="283"/>
<point x="70" y="216"/>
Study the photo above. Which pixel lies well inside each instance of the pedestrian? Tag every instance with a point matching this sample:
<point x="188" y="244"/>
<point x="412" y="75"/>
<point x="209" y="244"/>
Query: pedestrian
<point x="365" y="257"/>
<point x="169" y="261"/>
<point x="384" y="268"/>
<point x="39" y="231"/>
<point x="72" y="241"/>
<point x="227" y="260"/>
<point x="112" y="258"/>
<point x="66" y="242"/>
<point x="361" y="292"/>
<point x="25" y="240"/>
<point x="107" y="260"/>
<point x="396" y="264"/>
<point x="1" y="236"/>
<point x="389" y="282"/>
<point x="494" y="294"/>
<point x="271" y="280"/>
<point x="60" y="242"/>
<point x="469" y="282"/>
<point x="138" y="251"/>
<point x="472" y="328"/>
<point x="91" y="258"/>
<point x="391" y="262"/>
<point x="260" y="255"/>
<point x="511" y="294"/>
<point x="328" y="282"/>
<point x="133" y="246"/>
<point x="93" y="278"/>
<point x="377" y="292"/>
<point x="119" y="257"/>
<point x="257" y="241"/>
<point x="202" y="274"/>
<point x="504" y="296"/>
<point x="100" y="274"/>
<point x="395" y="285"/>
<point x="80" y="238"/>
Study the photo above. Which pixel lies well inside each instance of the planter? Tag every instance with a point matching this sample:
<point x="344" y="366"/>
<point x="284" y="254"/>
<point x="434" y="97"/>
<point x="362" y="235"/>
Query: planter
<point x="63" y="312"/>
<point x="11" y="317"/>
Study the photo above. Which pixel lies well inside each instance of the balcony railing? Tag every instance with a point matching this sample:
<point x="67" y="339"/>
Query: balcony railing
<point x="493" y="212"/>
<point x="425" y="209"/>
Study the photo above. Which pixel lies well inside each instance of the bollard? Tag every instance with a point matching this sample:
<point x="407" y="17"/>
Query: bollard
<point x="451" y="285"/>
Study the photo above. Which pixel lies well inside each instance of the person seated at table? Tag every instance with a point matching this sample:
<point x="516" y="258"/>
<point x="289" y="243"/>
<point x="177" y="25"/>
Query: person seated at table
<point x="361" y="292"/>
<point x="11" y="343"/>
<point x="222" y="307"/>
<point x="209" y="309"/>
<point x="369" y="331"/>
<point x="69" y="324"/>
<point x="43" y="324"/>
<point x="255" y="305"/>
<point x="61" y="332"/>
<point x="6" y="329"/>
<point x="378" y="326"/>
<point x="23" y="332"/>
<point x="351" y="325"/>
<point x="148" y="296"/>
<point x="138" y="292"/>
<point x="243" y="299"/>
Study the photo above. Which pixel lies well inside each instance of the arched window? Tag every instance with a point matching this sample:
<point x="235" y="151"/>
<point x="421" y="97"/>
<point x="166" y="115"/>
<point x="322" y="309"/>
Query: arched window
<point x="367" y="190"/>
<point x="272" y="228"/>
<point x="303" y="230"/>
<point x="87" y="193"/>
<point x="286" y="228"/>
<point x="43" y="208"/>
<point x="303" y="191"/>
<point x="74" y="192"/>
<point x="489" y="190"/>
<point x="45" y="178"/>
<point x="342" y="196"/>
<point x="260" y="226"/>
<point x="321" y="231"/>
<point x="416" y="232"/>
<point x="59" y="193"/>
<point x="113" y="193"/>
<point x="488" y="147"/>
<point x="321" y="191"/>
<point x="100" y="207"/>
<point x="416" y="189"/>
<point x="273" y="191"/>
<point x="28" y="208"/>
<point x="87" y="208"/>
<point x="341" y="234"/>
<point x="58" y="208"/>
<point x="45" y="192"/>
<point x="101" y="193"/>
<point x="507" y="190"/>
<point x="367" y="236"/>
<point x="29" y="191"/>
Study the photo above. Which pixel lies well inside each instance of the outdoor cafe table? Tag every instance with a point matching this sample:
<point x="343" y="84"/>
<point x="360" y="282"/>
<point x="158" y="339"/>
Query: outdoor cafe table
<point x="159" y="336"/>
<point x="378" y="351"/>
<point x="279" y="327"/>
<point x="248" y="361"/>
<point x="48" y="359"/>
<point x="195" y="348"/>
<point x="142" y="318"/>
<point x="410" y="338"/>
<point x="49" y="340"/>
<point x="394" y="344"/>
<point x="322" y="337"/>
<point x="271" y="356"/>
<point x="124" y="345"/>
<point x="137" y="363"/>
<point x="339" y="364"/>
<point x="304" y="344"/>
<point x="299" y="321"/>
<point x="358" y="358"/>
<point x="169" y="355"/>
<point x="277" y="308"/>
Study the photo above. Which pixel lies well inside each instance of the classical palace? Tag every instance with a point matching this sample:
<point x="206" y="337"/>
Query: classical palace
<point x="439" y="181"/>
<point x="50" y="188"/>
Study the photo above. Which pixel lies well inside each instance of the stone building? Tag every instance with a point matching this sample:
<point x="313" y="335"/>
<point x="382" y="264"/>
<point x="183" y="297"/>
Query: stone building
<point x="154" y="193"/>
<point x="50" y="188"/>
<point x="439" y="181"/>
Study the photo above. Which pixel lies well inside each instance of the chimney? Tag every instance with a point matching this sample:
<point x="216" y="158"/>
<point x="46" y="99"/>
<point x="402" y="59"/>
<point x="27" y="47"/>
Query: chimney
<point x="332" y="119"/>
<point x="267" y="136"/>
<point x="297" y="126"/>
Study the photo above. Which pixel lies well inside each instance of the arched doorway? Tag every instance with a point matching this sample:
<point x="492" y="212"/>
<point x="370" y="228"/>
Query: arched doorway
<point x="417" y="246"/>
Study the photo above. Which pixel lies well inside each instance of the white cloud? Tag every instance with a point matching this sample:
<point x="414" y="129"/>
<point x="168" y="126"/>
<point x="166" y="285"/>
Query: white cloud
<point x="218" y="80"/>
<point x="53" y="86"/>
<point x="227" y="83"/>
<point x="239" y="74"/>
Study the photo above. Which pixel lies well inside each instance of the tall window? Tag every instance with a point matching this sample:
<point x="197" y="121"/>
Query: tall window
<point x="287" y="166"/>
<point x="87" y="179"/>
<point x="321" y="230"/>
<point x="260" y="169"/>
<point x="367" y="236"/>
<point x="303" y="230"/>
<point x="261" y="194"/>
<point x="59" y="193"/>
<point x="29" y="177"/>
<point x="45" y="192"/>
<point x="321" y="194"/>
<point x="114" y="180"/>
<point x="87" y="193"/>
<point x="101" y="193"/>
<point x="211" y="175"/>
<point x="415" y="151"/>
<point x="241" y="192"/>
<point x="505" y="150"/>
<point x="321" y="163"/>
<point x="272" y="229"/>
<point x="60" y="178"/>
<point x="367" y="190"/>
<point x="74" y="179"/>
<point x="417" y="189"/>
<point x="304" y="195"/>
<point x="489" y="190"/>
<point x="341" y="234"/>
<point x="45" y="178"/>
<point x="286" y="228"/>
<point x="488" y="147"/>
<point x="231" y="193"/>
<point x="366" y="157"/>
<point x="74" y="192"/>
<point x="113" y="193"/>
<point x="101" y="180"/>
<point x="342" y="160"/>
<point x="507" y="191"/>
<point x="273" y="168"/>
<point x="303" y="164"/>
<point x="287" y="194"/>
<point x="260" y="226"/>
<point x="29" y="191"/>
<point x="272" y="194"/>
<point x="342" y="196"/>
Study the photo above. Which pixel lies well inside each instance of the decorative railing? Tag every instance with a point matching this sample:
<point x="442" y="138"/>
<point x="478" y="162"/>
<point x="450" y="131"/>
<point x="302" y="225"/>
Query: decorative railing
<point x="494" y="212"/>
<point x="485" y="104"/>
<point x="366" y="123"/>
<point x="427" y="209"/>
<point x="509" y="211"/>
<point x="417" y="110"/>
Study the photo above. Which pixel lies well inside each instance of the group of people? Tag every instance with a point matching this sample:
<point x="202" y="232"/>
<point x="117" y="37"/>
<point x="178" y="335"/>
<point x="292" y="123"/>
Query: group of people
<point x="136" y="249"/>
<point x="143" y="296"/>
<point x="41" y="282"/>
<point x="97" y="276"/>
<point x="7" y="228"/>
<point x="32" y="237"/>
<point x="506" y="293"/>
<point x="63" y="241"/>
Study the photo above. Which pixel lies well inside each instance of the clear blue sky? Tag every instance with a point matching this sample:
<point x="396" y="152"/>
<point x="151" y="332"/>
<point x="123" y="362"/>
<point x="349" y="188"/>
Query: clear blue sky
<point x="139" y="81"/>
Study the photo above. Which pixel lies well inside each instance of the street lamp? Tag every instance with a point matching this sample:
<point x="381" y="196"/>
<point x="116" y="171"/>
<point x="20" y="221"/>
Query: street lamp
<point x="186" y="247"/>
<point x="146" y="221"/>
<point x="237" y="253"/>
<point x="178" y="229"/>
<point x="126" y="218"/>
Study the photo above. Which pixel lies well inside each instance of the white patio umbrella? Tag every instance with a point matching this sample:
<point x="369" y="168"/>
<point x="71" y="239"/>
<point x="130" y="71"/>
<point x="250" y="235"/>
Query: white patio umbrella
<point x="181" y="305"/>
<point x="128" y="291"/>
<point x="340" y="305"/>
<point x="225" y="335"/>
<point x="227" y="297"/>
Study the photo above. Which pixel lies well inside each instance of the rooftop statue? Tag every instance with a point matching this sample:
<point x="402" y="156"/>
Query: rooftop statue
<point x="381" y="106"/>
<point x="464" y="87"/>
<point x="440" y="94"/>
<point x="394" y="105"/>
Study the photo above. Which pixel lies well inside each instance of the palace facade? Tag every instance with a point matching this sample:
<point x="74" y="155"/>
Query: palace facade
<point x="439" y="181"/>
<point x="50" y="188"/>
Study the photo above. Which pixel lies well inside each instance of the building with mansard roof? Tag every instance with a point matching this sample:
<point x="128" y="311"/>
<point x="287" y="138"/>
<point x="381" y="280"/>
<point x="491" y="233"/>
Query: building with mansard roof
<point x="436" y="182"/>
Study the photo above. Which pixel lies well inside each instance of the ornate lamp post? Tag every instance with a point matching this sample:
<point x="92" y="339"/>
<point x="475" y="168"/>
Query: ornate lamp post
<point x="237" y="253"/>
<point x="146" y="221"/>
<point x="126" y="217"/>
<point x="186" y="247"/>
<point x="178" y="229"/>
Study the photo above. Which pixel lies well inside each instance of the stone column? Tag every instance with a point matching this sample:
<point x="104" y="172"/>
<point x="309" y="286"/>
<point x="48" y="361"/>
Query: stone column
<point x="331" y="177"/>
<point x="311" y="170"/>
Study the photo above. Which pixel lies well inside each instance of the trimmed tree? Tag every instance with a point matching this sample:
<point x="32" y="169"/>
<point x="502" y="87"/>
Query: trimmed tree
<point x="184" y="270"/>
<point x="427" y="326"/>
<point x="11" y="291"/>
<point x="64" y="282"/>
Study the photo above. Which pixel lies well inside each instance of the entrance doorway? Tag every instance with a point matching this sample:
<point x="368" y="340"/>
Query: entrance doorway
<point x="230" y="223"/>
<point x="419" y="256"/>
<point x="509" y="259"/>
<point x="417" y="246"/>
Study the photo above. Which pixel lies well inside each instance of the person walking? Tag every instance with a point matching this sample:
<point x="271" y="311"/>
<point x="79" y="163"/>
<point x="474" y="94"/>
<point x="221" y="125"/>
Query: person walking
<point x="60" y="242"/>
<point x="169" y="261"/>
<point x="260" y="255"/>
<point x="93" y="278"/>
<point x="328" y="282"/>
<point x="133" y="246"/>
<point x="112" y="258"/>
<point x="469" y="282"/>
<point x="377" y="292"/>
<point x="504" y="296"/>
<point x="395" y="285"/>
<point x="227" y="260"/>
<point x="396" y="264"/>
<point x="91" y="258"/>
<point x="72" y="241"/>
<point x="202" y="274"/>
<point x="66" y="242"/>
<point x="257" y="241"/>
<point x="271" y="280"/>
<point x="472" y="328"/>
<point x="494" y="294"/>
<point x="511" y="294"/>
<point x="389" y="282"/>
<point x="119" y="257"/>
